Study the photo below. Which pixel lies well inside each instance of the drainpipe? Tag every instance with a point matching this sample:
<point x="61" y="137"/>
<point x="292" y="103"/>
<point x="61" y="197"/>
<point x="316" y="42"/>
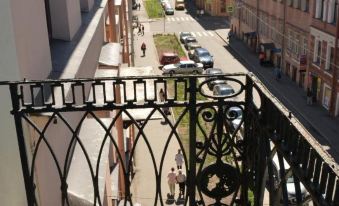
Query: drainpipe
<point x="335" y="70"/>
<point x="131" y="31"/>
<point x="125" y="31"/>
<point x="111" y="15"/>
<point x="282" y="64"/>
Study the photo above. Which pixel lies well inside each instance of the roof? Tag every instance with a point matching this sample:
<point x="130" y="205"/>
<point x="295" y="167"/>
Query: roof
<point x="110" y="55"/>
<point x="187" y="62"/>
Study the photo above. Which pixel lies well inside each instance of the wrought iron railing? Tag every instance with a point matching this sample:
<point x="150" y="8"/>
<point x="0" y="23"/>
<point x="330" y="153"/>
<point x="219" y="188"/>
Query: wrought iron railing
<point x="234" y="145"/>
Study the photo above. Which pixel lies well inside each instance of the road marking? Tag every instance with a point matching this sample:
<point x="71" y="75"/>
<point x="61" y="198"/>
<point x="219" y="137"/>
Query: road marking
<point x="191" y="18"/>
<point x="187" y="19"/>
<point x="177" y="18"/>
<point x="182" y="18"/>
<point x="210" y="33"/>
<point x="199" y="33"/>
<point x="193" y="34"/>
<point x="205" y="34"/>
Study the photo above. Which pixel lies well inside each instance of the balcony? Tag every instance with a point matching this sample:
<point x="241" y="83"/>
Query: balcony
<point x="120" y="127"/>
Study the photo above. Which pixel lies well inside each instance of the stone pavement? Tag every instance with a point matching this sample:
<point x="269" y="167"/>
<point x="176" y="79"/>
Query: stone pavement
<point x="315" y="118"/>
<point x="144" y="184"/>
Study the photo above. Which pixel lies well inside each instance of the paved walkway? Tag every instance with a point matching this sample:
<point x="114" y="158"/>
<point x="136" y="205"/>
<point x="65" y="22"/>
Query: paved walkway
<point x="315" y="118"/>
<point x="144" y="182"/>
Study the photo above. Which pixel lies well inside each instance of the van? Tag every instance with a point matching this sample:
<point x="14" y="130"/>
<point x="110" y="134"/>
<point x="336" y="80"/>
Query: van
<point x="179" y="4"/>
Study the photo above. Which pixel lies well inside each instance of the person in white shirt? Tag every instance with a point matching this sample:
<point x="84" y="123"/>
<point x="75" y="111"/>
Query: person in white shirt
<point x="172" y="179"/>
<point x="181" y="179"/>
<point x="179" y="159"/>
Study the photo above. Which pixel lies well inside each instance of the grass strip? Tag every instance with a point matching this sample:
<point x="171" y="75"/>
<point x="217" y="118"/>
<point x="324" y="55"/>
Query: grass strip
<point x="154" y="9"/>
<point x="168" y="43"/>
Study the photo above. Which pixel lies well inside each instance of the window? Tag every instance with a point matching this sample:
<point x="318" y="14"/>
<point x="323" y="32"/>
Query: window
<point x="328" y="57"/>
<point x="222" y="6"/>
<point x="332" y="66"/>
<point x="304" y="5"/>
<point x="317" y="52"/>
<point x="324" y="10"/>
<point x="289" y="2"/>
<point x="290" y="39"/>
<point x="318" y="9"/>
<point x="296" y="44"/>
<point x="296" y="4"/>
<point x="335" y="13"/>
<point x="304" y="48"/>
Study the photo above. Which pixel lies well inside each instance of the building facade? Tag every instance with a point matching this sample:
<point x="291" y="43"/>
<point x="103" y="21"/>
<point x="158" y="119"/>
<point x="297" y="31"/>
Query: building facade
<point x="322" y="70"/>
<point x="52" y="40"/>
<point x="216" y="7"/>
<point x="299" y="37"/>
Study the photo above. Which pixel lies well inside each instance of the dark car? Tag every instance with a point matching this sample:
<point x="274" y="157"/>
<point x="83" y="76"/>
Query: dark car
<point x="188" y="40"/>
<point x="212" y="72"/>
<point x="222" y="90"/>
<point x="169" y="11"/>
<point x="184" y="35"/>
<point x="203" y="56"/>
<point x="134" y="6"/>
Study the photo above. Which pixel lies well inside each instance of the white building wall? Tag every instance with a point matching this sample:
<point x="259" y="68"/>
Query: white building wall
<point x="12" y="189"/>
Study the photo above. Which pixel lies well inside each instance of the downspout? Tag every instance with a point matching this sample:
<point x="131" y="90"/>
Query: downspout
<point x="126" y="44"/>
<point x="335" y="70"/>
<point x="131" y="31"/>
<point x="282" y="64"/>
<point x="111" y="15"/>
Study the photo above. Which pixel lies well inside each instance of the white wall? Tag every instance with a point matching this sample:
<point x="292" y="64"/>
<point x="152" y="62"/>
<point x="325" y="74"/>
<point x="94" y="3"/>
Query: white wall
<point x="31" y="38"/>
<point x="12" y="190"/>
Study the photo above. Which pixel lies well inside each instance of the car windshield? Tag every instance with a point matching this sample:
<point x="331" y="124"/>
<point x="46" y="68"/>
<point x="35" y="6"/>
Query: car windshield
<point x="226" y="91"/>
<point x="204" y="54"/>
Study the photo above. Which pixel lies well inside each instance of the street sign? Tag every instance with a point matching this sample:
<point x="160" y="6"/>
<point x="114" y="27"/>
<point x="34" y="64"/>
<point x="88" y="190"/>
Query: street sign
<point x="230" y="9"/>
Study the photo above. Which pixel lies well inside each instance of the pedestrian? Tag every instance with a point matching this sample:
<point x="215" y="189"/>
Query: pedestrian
<point x="139" y="5"/>
<point x="179" y="159"/>
<point x="143" y="30"/>
<point x="139" y="29"/>
<point x="277" y="73"/>
<point x="309" y="96"/>
<point x="143" y="49"/>
<point x="181" y="180"/>
<point x="162" y="95"/>
<point x="261" y="58"/>
<point x="171" y="179"/>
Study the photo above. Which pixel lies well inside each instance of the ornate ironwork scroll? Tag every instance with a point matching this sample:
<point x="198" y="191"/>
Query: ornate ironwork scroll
<point x="234" y="144"/>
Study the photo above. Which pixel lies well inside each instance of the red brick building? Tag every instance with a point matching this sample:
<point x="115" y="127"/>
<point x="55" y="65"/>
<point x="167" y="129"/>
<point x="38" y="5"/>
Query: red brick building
<point x="322" y="78"/>
<point x="298" y="36"/>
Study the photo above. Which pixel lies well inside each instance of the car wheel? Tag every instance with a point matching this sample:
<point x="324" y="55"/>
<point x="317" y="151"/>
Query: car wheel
<point x="171" y="72"/>
<point x="195" y="72"/>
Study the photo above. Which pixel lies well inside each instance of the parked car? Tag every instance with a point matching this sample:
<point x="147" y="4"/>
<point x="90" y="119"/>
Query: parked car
<point x="183" y="67"/>
<point x="169" y="10"/>
<point x="191" y="46"/>
<point x="235" y="116"/>
<point x="202" y="55"/>
<point x="222" y="90"/>
<point x="212" y="72"/>
<point x="134" y="5"/>
<point x="188" y="40"/>
<point x="179" y="4"/>
<point x="183" y="35"/>
<point x="290" y="185"/>
<point x="169" y="58"/>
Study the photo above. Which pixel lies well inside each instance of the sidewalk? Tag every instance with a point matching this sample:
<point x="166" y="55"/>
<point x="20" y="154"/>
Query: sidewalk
<point x="144" y="183"/>
<point x="315" y="118"/>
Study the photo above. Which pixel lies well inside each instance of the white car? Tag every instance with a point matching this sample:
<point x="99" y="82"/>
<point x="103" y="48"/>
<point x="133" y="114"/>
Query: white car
<point x="183" y="67"/>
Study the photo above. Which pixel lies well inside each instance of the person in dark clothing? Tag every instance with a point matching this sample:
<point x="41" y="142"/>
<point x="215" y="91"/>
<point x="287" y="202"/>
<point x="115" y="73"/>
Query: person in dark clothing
<point x="139" y="5"/>
<point x="142" y="30"/>
<point x="309" y="96"/>
<point x="139" y="29"/>
<point x="143" y="49"/>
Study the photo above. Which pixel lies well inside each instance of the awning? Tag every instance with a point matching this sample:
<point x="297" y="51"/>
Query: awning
<point x="267" y="46"/>
<point x="251" y="34"/>
<point x="110" y="55"/>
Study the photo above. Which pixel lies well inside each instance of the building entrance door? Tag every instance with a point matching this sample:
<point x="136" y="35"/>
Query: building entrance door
<point x="314" y="87"/>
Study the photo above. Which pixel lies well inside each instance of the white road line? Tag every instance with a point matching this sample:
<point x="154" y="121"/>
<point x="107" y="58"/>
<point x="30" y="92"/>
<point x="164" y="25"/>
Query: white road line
<point x="177" y="18"/>
<point x="191" y="18"/>
<point x="199" y="33"/>
<point x="182" y="18"/>
<point x="205" y="34"/>
<point x="193" y="34"/>
<point x="210" y="33"/>
<point x="187" y="19"/>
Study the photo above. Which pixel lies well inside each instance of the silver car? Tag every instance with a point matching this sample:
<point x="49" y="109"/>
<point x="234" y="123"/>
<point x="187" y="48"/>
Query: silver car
<point x="183" y="67"/>
<point x="212" y="72"/>
<point x="222" y="90"/>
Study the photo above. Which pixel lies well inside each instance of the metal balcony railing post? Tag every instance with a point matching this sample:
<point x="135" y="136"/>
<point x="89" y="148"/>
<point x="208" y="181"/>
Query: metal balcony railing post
<point x="192" y="140"/>
<point x="22" y="145"/>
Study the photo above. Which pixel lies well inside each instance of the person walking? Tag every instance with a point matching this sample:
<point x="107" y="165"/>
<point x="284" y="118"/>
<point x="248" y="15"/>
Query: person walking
<point x="162" y="95"/>
<point x="181" y="180"/>
<point x="139" y="29"/>
<point x="142" y="30"/>
<point x="139" y="5"/>
<point x="143" y="49"/>
<point x="179" y="159"/>
<point x="309" y="96"/>
<point x="172" y="180"/>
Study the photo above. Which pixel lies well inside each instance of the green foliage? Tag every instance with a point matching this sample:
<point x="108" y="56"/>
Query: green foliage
<point x="154" y="9"/>
<point x="168" y="43"/>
